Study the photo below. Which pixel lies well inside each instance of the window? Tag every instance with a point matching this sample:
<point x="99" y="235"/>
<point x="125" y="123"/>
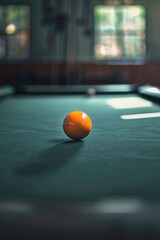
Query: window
<point x="14" y="32"/>
<point x="119" y="33"/>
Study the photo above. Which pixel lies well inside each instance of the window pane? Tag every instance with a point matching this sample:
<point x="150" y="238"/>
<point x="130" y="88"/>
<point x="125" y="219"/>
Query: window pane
<point x="133" y="18"/>
<point x="107" y="47"/>
<point x="105" y="19"/>
<point x="19" y="16"/>
<point x="2" y="48"/>
<point x="18" y="45"/>
<point x="1" y="18"/>
<point x="134" y="47"/>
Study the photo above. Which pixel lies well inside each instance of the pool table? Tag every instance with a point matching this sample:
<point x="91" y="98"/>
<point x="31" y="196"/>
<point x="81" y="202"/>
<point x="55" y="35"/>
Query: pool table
<point x="107" y="185"/>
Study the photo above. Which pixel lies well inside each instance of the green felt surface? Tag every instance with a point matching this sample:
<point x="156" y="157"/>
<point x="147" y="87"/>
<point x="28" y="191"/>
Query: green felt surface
<point x="37" y="160"/>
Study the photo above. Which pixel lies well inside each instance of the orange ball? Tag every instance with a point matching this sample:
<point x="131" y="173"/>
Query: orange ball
<point x="77" y="125"/>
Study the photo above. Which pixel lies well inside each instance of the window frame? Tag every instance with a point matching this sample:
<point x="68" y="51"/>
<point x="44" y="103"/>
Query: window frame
<point x="122" y="60"/>
<point x="14" y="59"/>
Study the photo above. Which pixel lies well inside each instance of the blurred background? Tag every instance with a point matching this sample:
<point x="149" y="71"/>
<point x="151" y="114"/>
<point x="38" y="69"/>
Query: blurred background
<point x="50" y="43"/>
<point x="77" y="42"/>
